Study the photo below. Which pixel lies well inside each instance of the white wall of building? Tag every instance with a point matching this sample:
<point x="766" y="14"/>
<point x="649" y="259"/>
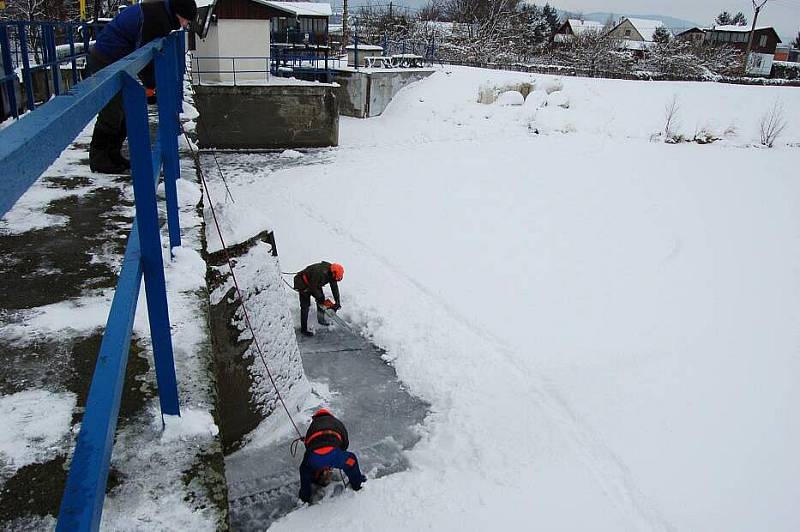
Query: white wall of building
<point x="233" y="44"/>
<point x="759" y="64"/>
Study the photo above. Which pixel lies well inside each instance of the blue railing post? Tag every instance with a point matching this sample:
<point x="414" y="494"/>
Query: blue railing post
<point x="53" y="57"/>
<point x="71" y="41"/>
<point x="8" y="70"/>
<point x="180" y="62"/>
<point x="27" y="78"/>
<point x="135" y="106"/>
<point x="167" y="77"/>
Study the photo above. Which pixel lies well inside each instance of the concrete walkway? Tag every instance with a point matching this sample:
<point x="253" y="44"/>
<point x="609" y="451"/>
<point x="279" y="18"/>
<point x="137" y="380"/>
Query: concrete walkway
<point x="379" y="413"/>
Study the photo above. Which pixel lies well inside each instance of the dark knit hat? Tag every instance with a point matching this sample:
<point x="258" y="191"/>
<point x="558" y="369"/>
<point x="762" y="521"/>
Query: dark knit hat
<point x="185" y="8"/>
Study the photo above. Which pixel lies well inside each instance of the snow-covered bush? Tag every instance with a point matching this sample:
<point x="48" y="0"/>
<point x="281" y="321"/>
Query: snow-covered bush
<point x="510" y="98"/>
<point x="785" y="70"/>
<point x="536" y="99"/>
<point x="558" y="99"/>
<point x="549" y="85"/>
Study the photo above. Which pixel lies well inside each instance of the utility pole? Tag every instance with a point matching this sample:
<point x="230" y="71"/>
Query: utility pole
<point x="757" y="5"/>
<point x="345" y="16"/>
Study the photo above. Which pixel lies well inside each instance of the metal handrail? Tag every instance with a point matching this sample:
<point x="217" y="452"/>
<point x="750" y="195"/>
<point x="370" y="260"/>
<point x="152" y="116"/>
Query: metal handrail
<point x="27" y="148"/>
<point x="51" y="59"/>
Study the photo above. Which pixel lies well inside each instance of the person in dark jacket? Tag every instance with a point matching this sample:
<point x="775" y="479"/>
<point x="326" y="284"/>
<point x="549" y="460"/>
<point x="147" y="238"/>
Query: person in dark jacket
<point x="326" y="449"/>
<point x="309" y="283"/>
<point x="132" y="28"/>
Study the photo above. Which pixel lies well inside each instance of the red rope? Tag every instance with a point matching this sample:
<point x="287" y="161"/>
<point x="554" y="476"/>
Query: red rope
<point x="241" y="299"/>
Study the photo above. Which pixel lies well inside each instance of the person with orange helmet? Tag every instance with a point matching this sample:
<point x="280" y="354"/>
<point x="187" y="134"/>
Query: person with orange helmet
<point x="309" y="283"/>
<point x="326" y="444"/>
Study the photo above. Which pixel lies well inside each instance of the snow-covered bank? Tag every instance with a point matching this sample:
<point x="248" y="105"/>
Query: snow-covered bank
<point x="605" y="326"/>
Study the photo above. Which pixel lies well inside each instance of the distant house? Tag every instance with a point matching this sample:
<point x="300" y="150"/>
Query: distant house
<point x="782" y="52"/>
<point x="636" y="34"/>
<point x="765" y="43"/>
<point x="572" y="27"/>
<point x="696" y="35"/>
<point x="635" y="29"/>
<point x="300" y="22"/>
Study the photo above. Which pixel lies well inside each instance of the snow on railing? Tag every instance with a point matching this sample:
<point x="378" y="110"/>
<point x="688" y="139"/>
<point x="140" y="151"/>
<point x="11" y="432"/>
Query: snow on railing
<point x="27" y="148"/>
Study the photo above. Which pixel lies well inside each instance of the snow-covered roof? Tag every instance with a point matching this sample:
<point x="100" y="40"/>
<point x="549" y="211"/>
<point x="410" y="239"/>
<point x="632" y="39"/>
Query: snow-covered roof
<point x="645" y="27"/>
<point x="300" y="9"/>
<point x="743" y="29"/>
<point x="579" y="26"/>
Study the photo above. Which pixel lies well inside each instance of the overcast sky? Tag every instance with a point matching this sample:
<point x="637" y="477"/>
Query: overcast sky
<point x="784" y="15"/>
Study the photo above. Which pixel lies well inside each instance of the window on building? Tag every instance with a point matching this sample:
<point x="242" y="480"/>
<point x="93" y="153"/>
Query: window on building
<point x="762" y="41"/>
<point x="627" y="33"/>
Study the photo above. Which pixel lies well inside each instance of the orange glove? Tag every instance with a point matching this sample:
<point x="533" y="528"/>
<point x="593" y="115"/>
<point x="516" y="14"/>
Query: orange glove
<point x="328" y="304"/>
<point x="149" y="92"/>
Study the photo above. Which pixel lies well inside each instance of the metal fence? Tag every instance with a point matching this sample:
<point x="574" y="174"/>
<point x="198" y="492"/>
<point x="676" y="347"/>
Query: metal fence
<point x="284" y="61"/>
<point x="27" y="48"/>
<point x="27" y="148"/>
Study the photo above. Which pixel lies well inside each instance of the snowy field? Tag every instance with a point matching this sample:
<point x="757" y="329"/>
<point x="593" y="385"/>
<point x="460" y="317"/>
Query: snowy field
<point x="606" y="326"/>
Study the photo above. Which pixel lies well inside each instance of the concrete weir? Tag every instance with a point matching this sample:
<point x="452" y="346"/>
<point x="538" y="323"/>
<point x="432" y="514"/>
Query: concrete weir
<point x="267" y="117"/>
<point x="367" y="92"/>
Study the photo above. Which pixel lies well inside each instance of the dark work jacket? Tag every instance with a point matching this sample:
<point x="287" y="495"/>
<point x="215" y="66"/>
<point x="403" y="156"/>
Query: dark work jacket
<point x="313" y="278"/>
<point x="131" y="29"/>
<point x="326" y="431"/>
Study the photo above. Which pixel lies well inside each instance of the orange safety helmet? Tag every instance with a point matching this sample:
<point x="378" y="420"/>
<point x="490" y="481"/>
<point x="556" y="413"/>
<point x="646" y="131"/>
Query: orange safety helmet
<point x="321" y="412"/>
<point x="338" y="271"/>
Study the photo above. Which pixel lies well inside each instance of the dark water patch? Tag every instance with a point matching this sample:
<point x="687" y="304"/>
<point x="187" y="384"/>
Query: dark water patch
<point x="48" y="265"/>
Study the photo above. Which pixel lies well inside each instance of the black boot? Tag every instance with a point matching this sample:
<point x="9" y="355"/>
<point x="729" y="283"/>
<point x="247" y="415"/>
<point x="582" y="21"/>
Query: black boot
<point x="304" y="322"/>
<point x="115" y="150"/>
<point x="100" y="160"/>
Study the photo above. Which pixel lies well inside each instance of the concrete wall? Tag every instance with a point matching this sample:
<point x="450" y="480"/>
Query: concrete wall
<point x="238" y="39"/>
<point x="367" y="94"/>
<point x="267" y="117"/>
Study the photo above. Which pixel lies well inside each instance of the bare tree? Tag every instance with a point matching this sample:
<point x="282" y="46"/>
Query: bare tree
<point x="671" y="123"/>
<point x="773" y="122"/>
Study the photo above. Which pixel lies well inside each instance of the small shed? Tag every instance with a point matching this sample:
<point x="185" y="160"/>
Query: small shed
<point x="237" y="35"/>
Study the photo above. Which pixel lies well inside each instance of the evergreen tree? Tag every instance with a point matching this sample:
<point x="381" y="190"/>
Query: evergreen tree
<point x="796" y="42"/>
<point x="551" y="16"/>
<point x="662" y="35"/>
<point x="724" y="19"/>
<point x="739" y="19"/>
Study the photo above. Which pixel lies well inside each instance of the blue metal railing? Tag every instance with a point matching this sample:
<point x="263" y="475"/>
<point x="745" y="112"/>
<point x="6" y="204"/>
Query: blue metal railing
<point x="28" y="47"/>
<point x="27" y="148"/>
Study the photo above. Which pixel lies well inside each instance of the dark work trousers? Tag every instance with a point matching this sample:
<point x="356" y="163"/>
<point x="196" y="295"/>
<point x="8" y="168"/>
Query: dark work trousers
<point x="109" y="130"/>
<point x="305" y="305"/>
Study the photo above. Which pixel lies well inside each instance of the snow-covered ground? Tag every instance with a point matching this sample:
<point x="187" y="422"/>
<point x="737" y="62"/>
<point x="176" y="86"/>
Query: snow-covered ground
<point x="606" y="327"/>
